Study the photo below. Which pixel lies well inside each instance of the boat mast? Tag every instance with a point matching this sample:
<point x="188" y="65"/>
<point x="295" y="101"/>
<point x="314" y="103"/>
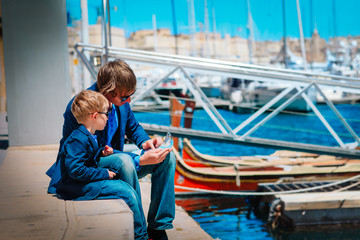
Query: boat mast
<point x="214" y="29"/>
<point x="335" y="28"/>
<point x="311" y="34"/>
<point x="284" y="38"/>
<point x="206" y="23"/>
<point x="250" y="27"/>
<point x="192" y="28"/>
<point x="155" y="32"/>
<point x="125" y="25"/>
<point x="301" y="35"/>
<point x="175" y="27"/>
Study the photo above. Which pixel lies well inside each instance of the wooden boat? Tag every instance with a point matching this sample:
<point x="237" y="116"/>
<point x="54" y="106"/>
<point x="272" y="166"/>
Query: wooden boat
<point x="282" y="157"/>
<point x="196" y="171"/>
<point x="246" y="174"/>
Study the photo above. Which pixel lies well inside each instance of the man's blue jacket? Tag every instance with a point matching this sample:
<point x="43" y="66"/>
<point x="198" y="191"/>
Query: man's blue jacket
<point x="128" y="126"/>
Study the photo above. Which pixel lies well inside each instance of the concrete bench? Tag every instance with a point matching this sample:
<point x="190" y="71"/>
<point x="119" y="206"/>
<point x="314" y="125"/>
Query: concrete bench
<point x="28" y="212"/>
<point x="98" y="219"/>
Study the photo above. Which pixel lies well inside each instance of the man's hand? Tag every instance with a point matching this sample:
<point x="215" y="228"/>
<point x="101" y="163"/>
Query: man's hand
<point x="154" y="156"/>
<point x="107" y="151"/>
<point x="152" y="143"/>
<point x="111" y="174"/>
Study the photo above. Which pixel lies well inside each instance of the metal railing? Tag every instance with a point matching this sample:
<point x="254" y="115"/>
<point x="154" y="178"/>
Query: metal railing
<point x="228" y="68"/>
<point x="298" y="82"/>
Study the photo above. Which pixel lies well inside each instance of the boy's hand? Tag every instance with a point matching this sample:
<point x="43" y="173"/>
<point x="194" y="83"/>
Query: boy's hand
<point x="154" y="156"/>
<point x="111" y="174"/>
<point x="107" y="151"/>
<point x="152" y="143"/>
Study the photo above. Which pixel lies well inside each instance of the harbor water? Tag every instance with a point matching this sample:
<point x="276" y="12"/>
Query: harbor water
<point x="227" y="217"/>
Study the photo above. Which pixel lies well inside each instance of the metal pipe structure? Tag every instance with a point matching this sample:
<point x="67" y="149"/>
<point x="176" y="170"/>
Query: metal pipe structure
<point x="182" y="59"/>
<point x="263" y="109"/>
<point x="250" y="141"/>
<point x="86" y="78"/>
<point x="109" y="20"/>
<point x="300" y="80"/>
<point x="272" y="114"/>
<point x="104" y="31"/>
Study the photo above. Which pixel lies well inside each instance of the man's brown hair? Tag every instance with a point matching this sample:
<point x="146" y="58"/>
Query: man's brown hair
<point x="116" y="75"/>
<point x="87" y="102"/>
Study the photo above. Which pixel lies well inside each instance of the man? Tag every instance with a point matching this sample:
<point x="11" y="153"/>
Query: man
<point x="117" y="82"/>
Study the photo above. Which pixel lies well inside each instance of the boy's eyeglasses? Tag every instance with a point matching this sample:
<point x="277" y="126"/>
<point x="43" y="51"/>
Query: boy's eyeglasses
<point x="106" y="113"/>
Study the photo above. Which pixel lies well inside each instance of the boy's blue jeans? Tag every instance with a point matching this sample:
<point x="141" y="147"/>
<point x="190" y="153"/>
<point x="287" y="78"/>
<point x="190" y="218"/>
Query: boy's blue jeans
<point x="162" y="207"/>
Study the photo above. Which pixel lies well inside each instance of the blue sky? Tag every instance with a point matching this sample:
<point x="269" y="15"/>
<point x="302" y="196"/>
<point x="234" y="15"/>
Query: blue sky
<point x="331" y="17"/>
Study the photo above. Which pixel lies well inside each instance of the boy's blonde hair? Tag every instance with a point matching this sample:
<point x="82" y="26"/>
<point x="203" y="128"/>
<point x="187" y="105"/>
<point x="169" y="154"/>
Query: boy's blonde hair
<point x="87" y="102"/>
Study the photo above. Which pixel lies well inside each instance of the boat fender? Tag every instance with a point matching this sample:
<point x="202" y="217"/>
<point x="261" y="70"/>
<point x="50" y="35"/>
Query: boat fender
<point x="277" y="220"/>
<point x="237" y="178"/>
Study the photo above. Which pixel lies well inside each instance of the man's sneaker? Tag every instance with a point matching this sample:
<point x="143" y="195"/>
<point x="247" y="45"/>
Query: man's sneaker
<point x="157" y="234"/>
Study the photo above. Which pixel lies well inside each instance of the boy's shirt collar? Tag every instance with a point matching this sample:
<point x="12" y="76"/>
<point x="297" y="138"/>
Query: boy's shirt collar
<point x="84" y="130"/>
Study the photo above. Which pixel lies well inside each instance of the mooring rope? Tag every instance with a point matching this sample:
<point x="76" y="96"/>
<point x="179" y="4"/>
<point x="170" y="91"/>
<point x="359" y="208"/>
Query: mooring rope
<point x="269" y="193"/>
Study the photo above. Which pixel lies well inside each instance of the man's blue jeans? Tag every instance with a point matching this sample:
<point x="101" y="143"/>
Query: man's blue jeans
<point x="162" y="207"/>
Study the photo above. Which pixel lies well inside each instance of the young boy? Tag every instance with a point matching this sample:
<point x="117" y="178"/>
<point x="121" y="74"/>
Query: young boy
<point x="81" y="178"/>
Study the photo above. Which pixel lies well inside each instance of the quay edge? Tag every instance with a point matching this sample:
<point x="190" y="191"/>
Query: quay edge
<point x="322" y="208"/>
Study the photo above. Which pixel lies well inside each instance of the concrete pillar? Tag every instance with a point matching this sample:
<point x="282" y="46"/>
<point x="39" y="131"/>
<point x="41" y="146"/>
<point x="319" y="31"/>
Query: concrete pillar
<point x="36" y="69"/>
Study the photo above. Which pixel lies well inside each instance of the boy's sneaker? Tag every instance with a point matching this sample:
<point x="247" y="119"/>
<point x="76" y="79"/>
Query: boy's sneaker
<point x="157" y="234"/>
